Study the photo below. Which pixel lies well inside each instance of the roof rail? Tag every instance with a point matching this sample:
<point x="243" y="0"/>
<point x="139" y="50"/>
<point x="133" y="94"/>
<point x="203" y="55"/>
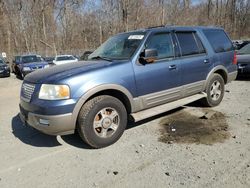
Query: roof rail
<point x="155" y="26"/>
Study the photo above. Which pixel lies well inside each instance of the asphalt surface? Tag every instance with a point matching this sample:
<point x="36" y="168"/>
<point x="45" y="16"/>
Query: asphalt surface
<point x="187" y="147"/>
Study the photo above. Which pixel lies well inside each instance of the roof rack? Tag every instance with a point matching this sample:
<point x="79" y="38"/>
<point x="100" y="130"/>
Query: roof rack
<point x="168" y="25"/>
<point x="155" y="26"/>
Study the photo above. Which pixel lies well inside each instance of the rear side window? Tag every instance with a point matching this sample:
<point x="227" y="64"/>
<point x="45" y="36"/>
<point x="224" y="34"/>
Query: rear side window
<point x="218" y="40"/>
<point x="199" y="43"/>
<point x="189" y="43"/>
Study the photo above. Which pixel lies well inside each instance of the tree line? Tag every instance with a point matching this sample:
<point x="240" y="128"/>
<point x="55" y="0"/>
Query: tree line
<point x="50" y="27"/>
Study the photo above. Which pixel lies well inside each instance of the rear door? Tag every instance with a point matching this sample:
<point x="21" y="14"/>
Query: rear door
<point x="195" y="63"/>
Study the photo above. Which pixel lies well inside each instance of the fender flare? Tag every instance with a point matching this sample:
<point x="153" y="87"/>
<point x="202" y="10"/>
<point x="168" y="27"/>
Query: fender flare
<point x="98" y="89"/>
<point x="210" y="74"/>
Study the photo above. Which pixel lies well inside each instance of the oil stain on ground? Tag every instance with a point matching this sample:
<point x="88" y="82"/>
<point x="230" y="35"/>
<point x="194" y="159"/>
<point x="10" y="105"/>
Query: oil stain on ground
<point x="206" y="127"/>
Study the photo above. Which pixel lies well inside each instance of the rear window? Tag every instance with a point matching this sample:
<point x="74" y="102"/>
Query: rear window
<point x="190" y="44"/>
<point x="218" y="40"/>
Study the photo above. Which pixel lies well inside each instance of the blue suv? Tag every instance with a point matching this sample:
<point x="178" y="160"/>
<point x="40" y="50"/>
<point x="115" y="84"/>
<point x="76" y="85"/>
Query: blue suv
<point x="138" y="74"/>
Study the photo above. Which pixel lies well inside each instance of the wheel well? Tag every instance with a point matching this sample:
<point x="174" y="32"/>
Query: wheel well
<point x="117" y="94"/>
<point x="223" y="74"/>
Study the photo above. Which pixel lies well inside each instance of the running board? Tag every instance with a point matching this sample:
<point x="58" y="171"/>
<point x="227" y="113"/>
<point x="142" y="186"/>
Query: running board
<point x="138" y="116"/>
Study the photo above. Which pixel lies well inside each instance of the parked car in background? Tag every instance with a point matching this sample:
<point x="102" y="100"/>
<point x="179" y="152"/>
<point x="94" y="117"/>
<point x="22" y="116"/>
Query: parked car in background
<point x="4" y="68"/>
<point x="238" y="44"/>
<point x="63" y="59"/>
<point x="85" y="55"/>
<point x="77" y="57"/>
<point x="138" y="74"/>
<point x="49" y="60"/>
<point x="243" y="59"/>
<point x="14" y="64"/>
<point x="28" y="64"/>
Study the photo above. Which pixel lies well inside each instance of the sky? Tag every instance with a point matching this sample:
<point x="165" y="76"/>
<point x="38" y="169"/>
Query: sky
<point x="195" y="2"/>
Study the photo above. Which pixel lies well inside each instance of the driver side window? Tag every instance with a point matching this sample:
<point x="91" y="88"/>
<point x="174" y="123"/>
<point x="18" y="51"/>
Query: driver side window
<point x="162" y="42"/>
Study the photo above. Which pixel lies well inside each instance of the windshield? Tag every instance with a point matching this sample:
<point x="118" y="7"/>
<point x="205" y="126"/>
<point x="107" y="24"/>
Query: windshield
<point x="1" y="61"/>
<point x="63" y="58"/>
<point x="121" y="46"/>
<point x="30" y="59"/>
<point x="245" y="50"/>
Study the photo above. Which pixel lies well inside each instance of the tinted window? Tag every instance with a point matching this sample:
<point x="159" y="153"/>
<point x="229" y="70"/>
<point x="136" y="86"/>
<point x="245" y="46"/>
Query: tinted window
<point x="30" y="59"/>
<point x="218" y="40"/>
<point x="187" y="43"/>
<point x="199" y="43"/>
<point x="17" y="58"/>
<point x="162" y="42"/>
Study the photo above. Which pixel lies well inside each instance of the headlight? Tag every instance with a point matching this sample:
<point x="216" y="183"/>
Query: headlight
<point x="54" y="92"/>
<point x="46" y="66"/>
<point x="26" y="69"/>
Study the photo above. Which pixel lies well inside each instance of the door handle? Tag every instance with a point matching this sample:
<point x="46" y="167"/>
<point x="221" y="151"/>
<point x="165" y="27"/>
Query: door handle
<point x="172" y="67"/>
<point x="206" y="61"/>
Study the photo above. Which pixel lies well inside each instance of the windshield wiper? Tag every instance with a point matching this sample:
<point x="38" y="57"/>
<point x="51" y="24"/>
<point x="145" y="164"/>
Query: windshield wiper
<point x="101" y="57"/>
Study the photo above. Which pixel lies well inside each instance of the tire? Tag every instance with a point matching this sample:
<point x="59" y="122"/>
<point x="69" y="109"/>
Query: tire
<point x="102" y="121"/>
<point x="20" y="74"/>
<point x="215" y="91"/>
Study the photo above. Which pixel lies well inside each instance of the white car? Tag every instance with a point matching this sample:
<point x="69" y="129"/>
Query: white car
<point x="63" y="59"/>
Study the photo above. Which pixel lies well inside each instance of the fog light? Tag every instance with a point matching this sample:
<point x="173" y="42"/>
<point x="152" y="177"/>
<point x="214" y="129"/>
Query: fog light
<point x="44" y="121"/>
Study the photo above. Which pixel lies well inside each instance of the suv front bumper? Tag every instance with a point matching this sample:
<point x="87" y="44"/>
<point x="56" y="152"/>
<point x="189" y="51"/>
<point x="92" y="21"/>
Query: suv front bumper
<point x="49" y="124"/>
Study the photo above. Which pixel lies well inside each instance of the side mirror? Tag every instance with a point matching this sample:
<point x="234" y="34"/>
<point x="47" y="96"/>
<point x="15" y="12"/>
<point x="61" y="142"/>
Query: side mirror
<point x="149" y="55"/>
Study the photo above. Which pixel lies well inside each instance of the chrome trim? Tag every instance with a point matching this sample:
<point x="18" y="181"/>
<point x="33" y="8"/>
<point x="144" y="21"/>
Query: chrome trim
<point x="27" y="91"/>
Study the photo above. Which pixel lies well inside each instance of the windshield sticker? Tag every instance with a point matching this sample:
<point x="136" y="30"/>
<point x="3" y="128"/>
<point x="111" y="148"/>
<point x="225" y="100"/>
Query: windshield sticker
<point x="135" y="37"/>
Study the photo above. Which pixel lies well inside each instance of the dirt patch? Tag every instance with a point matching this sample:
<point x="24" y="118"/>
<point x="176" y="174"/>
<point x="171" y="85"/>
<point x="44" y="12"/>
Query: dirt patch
<point x="206" y="127"/>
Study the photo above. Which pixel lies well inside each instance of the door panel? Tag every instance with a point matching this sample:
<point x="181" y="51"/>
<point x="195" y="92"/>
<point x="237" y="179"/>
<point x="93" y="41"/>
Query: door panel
<point x="195" y="64"/>
<point x="158" y="82"/>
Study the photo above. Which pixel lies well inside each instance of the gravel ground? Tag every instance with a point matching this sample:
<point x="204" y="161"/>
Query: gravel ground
<point x="175" y="149"/>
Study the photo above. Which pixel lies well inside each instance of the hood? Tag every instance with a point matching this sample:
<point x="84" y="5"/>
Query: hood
<point x="3" y="66"/>
<point x="243" y="58"/>
<point x="34" y="64"/>
<point x="59" y="72"/>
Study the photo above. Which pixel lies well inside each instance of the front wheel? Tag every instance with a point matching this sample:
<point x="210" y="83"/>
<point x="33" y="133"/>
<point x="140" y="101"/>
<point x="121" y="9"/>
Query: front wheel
<point x="215" y="91"/>
<point x="102" y="121"/>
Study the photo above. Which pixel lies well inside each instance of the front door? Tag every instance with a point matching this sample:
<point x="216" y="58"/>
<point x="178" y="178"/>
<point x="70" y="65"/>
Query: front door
<point x="158" y="82"/>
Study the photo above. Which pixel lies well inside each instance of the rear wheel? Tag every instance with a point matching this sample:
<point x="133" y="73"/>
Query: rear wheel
<point x="102" y="121"/>
<point x="215" y="91"/>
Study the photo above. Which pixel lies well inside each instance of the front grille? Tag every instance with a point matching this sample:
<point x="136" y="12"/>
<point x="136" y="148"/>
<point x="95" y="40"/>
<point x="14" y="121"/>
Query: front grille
<point x="27" y="91"/>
